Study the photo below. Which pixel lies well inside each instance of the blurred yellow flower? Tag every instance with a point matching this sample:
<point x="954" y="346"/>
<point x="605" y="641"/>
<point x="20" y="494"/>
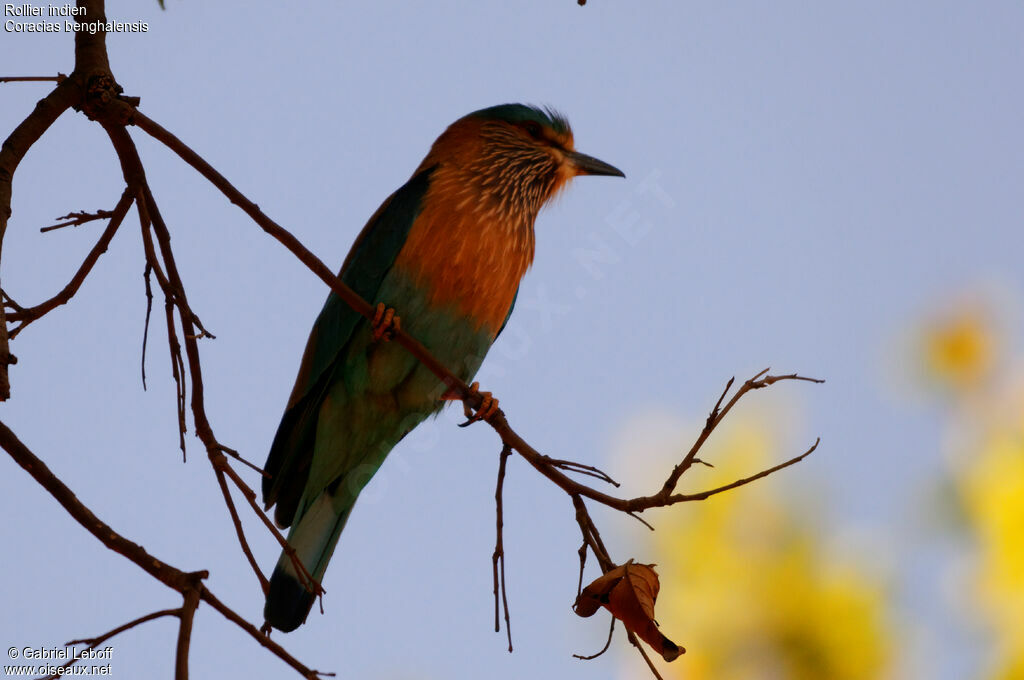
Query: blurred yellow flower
<point x="748" y="587"/>
<point x="992" y="489"/>
<point x="960" y="348"/>
<point x="985" y="433"/>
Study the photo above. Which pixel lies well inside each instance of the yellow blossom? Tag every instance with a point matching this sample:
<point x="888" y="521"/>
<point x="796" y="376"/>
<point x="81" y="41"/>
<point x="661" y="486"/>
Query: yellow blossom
<point x="960" y="348"/>
<point x="992" y="489"/>
<point x="749" y="588"/>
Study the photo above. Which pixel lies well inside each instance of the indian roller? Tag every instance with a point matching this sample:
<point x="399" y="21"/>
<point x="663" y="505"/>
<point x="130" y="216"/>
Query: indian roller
<point x="446" y="252"/>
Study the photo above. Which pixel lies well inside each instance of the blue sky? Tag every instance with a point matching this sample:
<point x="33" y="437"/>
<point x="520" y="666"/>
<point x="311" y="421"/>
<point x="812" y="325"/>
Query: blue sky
<point x="803" y="182"/>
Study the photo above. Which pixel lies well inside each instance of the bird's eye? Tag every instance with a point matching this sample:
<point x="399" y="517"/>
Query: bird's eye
<point x="534" y="129"/>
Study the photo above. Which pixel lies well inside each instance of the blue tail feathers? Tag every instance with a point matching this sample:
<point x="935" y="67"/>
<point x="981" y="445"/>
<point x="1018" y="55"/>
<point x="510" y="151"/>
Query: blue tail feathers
<point x="314" y="538"/>
<point x="288" y="602"/>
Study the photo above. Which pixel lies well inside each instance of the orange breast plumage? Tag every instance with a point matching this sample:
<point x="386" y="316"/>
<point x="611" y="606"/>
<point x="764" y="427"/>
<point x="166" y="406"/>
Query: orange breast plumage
<point x="467" y="252"/>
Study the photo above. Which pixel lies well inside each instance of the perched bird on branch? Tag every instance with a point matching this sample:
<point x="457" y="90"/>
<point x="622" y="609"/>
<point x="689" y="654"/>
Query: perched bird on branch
<point x="445" y="253"/>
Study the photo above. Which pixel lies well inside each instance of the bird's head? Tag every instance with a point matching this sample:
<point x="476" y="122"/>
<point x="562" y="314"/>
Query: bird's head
<point x="512" y="157"/>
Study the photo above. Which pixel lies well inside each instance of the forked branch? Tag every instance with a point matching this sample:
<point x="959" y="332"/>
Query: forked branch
<point x="180" y="581"/>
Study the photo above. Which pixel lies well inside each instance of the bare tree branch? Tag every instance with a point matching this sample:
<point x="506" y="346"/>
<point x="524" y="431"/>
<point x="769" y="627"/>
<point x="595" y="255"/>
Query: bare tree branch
<point x="30" y="314"/>
<point x="158" y="569"/>
<point x="180" y="581"/>
<point x="188" y="612"/>
<point x="222" y="483"/>
<point x="174" y="289"/>
<point x="12" y="151"/>
<point x="264" y="640"/>
<point x="92" y="643"/>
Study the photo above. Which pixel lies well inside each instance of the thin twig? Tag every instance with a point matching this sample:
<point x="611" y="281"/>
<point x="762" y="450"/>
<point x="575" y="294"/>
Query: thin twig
<point x="683" y="497"/>
<point x="598" y="545"/>
<point x="92" y="643"/>
<point x="664" y="497"/>
<point x="33" y="79"/>
<point x="305" y="578"/>
<point x="498" y="558"/>
<point x="265" y="640"/>
<point x="718" y="404"/>
<point x="583" y="562"/>
<point x="643" y="653"/>
<point x="147" y="243"/>
<point x="30" y="314"/>
<point x="589" y="470"/>
<point x="591" y="537"/>
<point x="75" y="219"/>
<point x="178" y="374"/>
<point x="640" y="519"/>
<point x="145" y="327"/>
<point x="237" y="456"/>
<point x="718" y="413"/>
<point x="607" y="644"/>
<point x="173" y="346"/>
<point x="237" y="522"/>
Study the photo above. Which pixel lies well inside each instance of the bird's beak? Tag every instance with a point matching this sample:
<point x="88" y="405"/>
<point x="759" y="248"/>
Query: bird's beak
<point x="588" y="165"/>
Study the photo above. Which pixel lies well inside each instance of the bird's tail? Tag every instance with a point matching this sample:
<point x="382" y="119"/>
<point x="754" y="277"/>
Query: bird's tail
<point x="313" y="538"/>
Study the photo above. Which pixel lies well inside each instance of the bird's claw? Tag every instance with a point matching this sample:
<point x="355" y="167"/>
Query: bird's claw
<point x="384" y="323"/>
<point x="488" y="406"/>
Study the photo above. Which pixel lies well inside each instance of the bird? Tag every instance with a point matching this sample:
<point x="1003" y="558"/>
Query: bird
<point x="442" y="258"/>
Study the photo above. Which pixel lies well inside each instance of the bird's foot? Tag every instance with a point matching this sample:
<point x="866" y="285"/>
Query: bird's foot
<point x="384" y="323"/>
<point x="488" y="406"/>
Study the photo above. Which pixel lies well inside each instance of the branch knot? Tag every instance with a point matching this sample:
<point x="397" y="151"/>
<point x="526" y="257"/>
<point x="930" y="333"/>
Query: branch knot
<point x="104" y="102"/>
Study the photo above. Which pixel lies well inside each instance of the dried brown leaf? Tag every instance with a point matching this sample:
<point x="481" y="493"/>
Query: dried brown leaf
<point x="629" y="592"/>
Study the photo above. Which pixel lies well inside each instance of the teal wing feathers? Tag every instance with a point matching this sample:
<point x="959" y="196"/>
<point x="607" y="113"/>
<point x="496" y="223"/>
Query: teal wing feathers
<point x="370" y="259"/>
